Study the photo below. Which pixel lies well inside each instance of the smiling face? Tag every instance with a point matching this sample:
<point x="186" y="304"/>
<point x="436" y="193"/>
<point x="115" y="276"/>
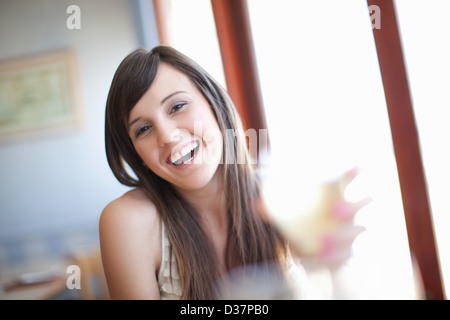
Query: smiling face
<point x="174" y="131"/>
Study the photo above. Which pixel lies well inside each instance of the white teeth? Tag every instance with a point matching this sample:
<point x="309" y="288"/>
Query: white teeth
<point x="187" y="149"/>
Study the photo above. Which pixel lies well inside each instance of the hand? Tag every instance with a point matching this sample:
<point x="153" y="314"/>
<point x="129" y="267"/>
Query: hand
<point x="324" y="231"/>
<point x="337" y="242"/>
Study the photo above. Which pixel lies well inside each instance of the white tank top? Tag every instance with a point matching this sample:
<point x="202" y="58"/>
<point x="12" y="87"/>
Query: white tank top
<point x="168" y="277"/>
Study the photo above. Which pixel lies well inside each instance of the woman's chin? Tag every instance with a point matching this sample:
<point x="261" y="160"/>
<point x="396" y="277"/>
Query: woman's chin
<point x="201" y="181"/>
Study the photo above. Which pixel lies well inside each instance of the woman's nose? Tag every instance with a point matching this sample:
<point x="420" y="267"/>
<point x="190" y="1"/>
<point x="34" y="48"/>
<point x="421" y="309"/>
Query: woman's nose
<point x="171" y="133"/>
<point x="167" y="134"/>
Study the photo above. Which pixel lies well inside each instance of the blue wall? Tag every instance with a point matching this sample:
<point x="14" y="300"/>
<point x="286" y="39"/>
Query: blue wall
<point x="53" y="187"/>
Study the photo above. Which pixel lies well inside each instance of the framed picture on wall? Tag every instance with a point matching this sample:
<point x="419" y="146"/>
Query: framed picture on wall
<point x="39" y="94"/>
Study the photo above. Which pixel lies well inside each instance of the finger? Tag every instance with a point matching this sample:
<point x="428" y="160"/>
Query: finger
<point x="337" y="247"/>
<point x="344" y="210"/>
<point x="336" y="258"/>
<point x="342" y="238"/>
<point x="348" y="177"/>
<point x="347" y="235"/>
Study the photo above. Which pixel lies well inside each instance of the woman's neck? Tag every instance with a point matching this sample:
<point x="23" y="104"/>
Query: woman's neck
<point x="209" y="201"/>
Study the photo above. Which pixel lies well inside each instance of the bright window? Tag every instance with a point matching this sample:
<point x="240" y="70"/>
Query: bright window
<point x="326" y="112"/>
<point x="192" y="31"/>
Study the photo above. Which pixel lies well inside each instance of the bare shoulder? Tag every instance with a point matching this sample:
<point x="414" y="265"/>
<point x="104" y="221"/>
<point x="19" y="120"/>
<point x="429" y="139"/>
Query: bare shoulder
<point x="134" y="202"/>
<point x="130" y="239"/>
<point x="132" y="213"/>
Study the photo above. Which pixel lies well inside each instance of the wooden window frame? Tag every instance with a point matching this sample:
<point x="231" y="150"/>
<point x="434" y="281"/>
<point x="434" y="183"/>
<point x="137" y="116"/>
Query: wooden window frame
<point x="161" y="8"/>
<point x="408" y="156"/>
<point x="239" y="62"/>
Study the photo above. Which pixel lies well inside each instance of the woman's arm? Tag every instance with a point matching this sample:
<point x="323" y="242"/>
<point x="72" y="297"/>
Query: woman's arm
<point x="130" y="238"/>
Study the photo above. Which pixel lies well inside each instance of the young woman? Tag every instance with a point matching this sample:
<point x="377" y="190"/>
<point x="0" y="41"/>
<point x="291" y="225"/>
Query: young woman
<point x="191" y="216"/>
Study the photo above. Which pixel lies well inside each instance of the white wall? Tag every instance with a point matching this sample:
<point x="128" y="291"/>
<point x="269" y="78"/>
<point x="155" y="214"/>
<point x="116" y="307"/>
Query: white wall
<point x="54" y="187"/>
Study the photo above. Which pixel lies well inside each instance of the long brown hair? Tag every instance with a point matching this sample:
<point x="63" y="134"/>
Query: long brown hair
<point x="250" y="239"/>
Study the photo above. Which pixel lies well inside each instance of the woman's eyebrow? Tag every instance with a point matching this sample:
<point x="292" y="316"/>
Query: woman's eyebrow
<point x="162" y="102"/>
<point x="170" y="95"/>
<point x="133" y="122"/>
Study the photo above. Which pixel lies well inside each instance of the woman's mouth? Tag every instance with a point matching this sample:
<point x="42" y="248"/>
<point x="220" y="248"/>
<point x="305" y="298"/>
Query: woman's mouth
<point x="186" y="155"/>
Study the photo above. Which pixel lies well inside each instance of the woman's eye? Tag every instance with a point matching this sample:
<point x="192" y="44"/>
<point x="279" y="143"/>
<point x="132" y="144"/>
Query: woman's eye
<point x="177" y="107"/>
<point x="141" y="130"/>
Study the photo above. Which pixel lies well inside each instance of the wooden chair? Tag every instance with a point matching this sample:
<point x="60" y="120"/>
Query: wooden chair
<point x="93" y="281"/>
